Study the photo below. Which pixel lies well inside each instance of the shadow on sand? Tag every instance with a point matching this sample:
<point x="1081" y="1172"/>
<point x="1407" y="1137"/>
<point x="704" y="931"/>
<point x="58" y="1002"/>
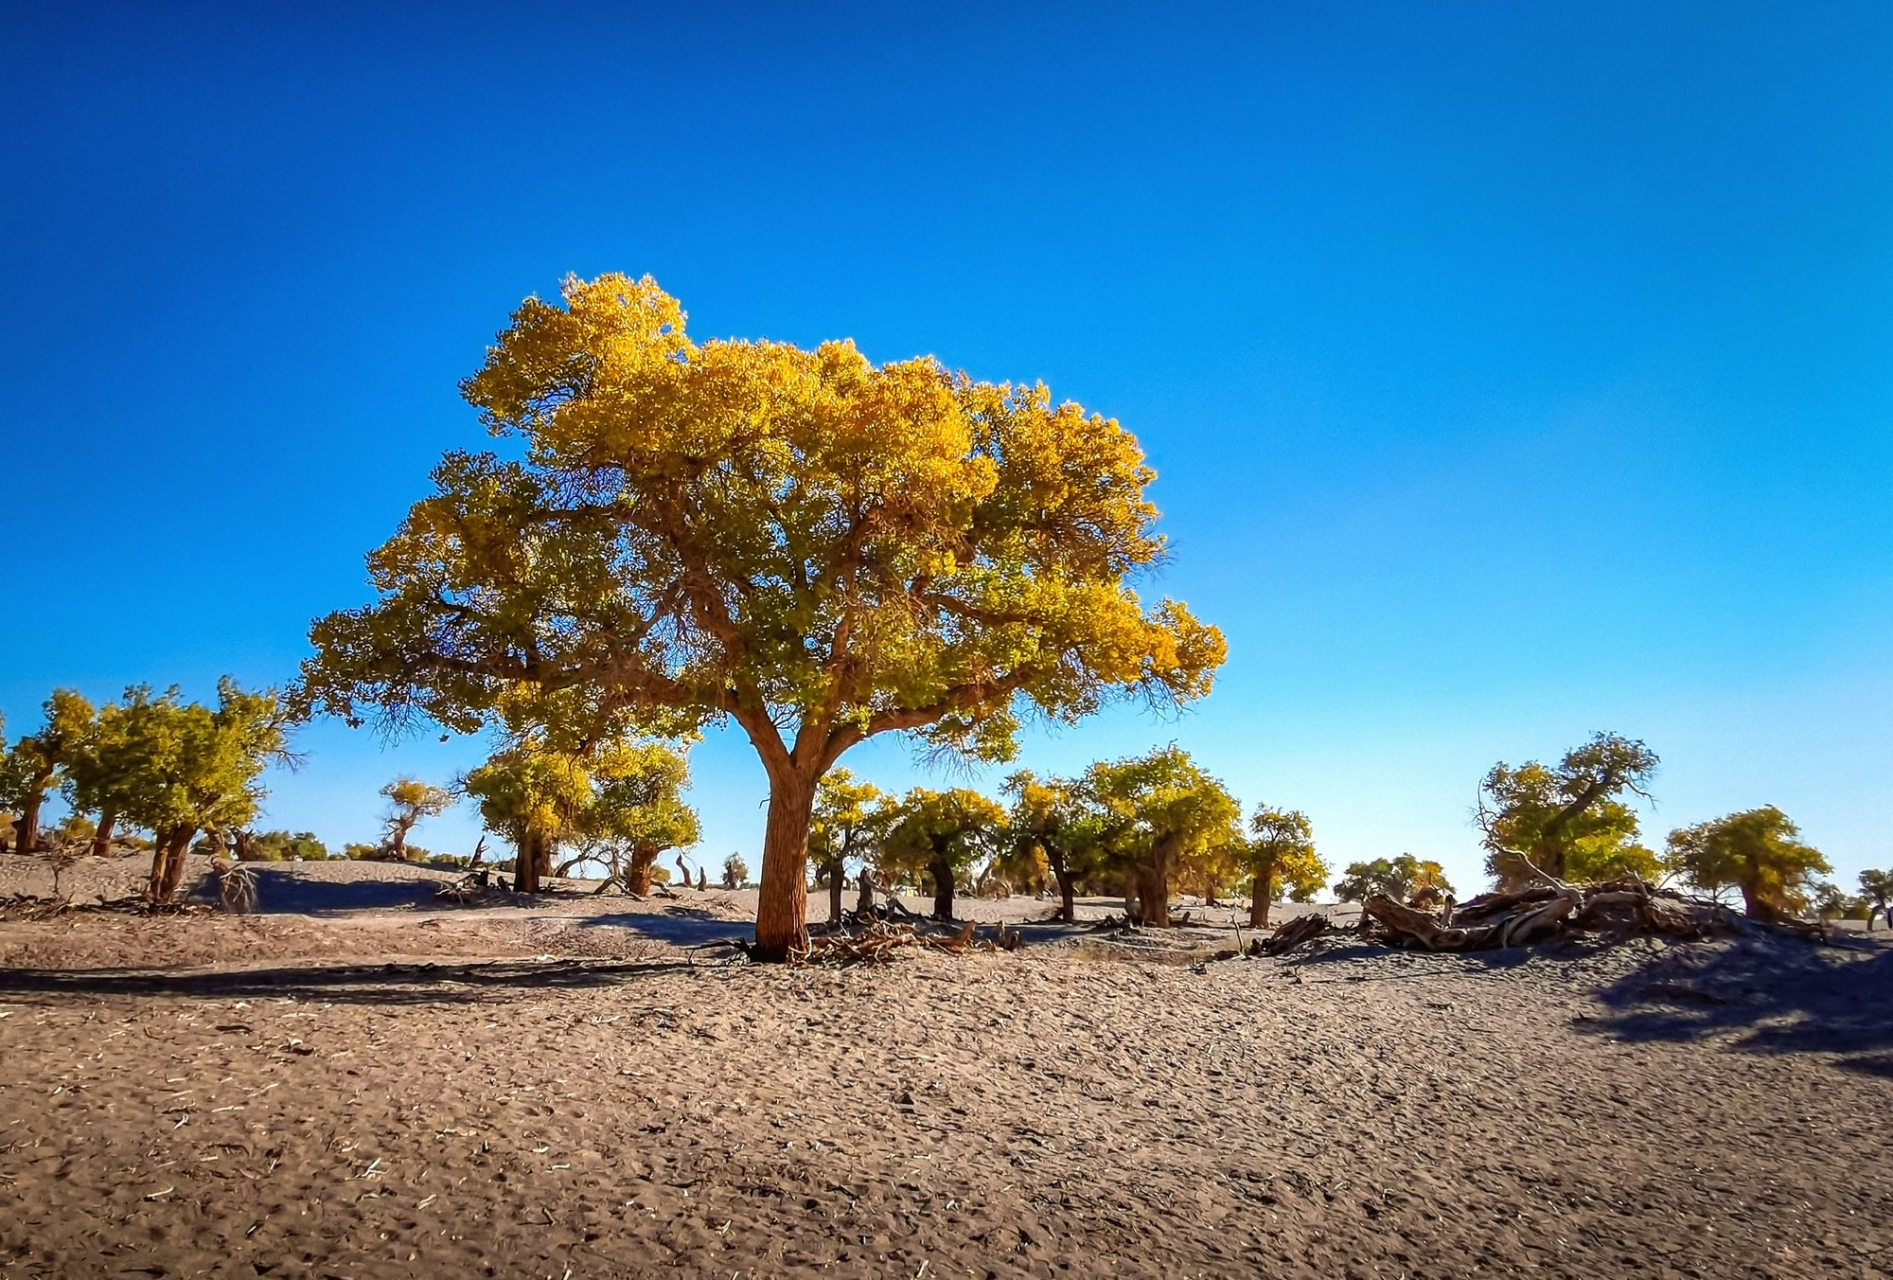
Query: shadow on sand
<point x="1763" y="995"/>
<point x="364" y="984"/>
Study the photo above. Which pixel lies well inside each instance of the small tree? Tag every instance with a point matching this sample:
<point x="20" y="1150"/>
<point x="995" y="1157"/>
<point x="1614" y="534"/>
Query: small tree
<point x="943" y="833"/>
<point x="1757" y="852"/>
<point x="849" y="817"/>
<point x="1876" y="887"/>
<point x="409" y="801"/>
<point x="1567" y="820"/>
<point x="735" y="872"/>
<point x="1162" y="812"/>
<point x="1060" y="820"/>
<point x="1404" y="879"/>
<point x="1281" y="850"/>
<point x="638" y="812"/>
<point x="816" y="548"/>
<point x="199" y="768"/>
<point x="27" y="772"/>
<point x="533" y="796"/>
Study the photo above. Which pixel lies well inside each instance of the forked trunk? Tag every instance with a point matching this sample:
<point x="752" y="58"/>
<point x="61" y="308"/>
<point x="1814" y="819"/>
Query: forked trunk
<point x="643" y="868"/>
<point x="835" y="885"/>
<point x="167" y="861"/>
<point x="102" y="838"/>
<point x="942" y="872"/>
<point x="782" y="906"/>
<point x="1260" y="899"/>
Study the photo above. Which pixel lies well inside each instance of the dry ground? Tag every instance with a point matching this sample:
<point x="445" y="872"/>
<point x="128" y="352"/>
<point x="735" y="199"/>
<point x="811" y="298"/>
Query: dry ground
<point x="370" y="1084"/>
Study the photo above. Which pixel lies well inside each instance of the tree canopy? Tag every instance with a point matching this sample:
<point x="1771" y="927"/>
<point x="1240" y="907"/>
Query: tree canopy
<point x="1402" y="879"/>
<point x="815" y="547"/>
<point x="1568" y="820"/>
<point x="28" y="769"/>
<point x="1757" y="852"/>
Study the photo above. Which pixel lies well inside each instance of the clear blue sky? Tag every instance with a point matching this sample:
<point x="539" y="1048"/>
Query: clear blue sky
<point x="1513" y="371"/>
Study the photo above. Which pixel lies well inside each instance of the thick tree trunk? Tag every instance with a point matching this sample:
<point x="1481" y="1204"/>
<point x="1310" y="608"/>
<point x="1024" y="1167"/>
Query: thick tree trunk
<point x="836" y="883"/>
<point x="1261" y="898"/>
<point x="1153" y="884"/>
<point x="26" y="827"/>
<point x="643" y="868"/>
<point x="1067" y="895"/>
<point x="865" y="903"/>
<point x="167" y="861"/>
<point x="526" y="866"/>
<point x="942" y="872"/>
<point x="102" y="838"/>
<point x="782" y="907"/>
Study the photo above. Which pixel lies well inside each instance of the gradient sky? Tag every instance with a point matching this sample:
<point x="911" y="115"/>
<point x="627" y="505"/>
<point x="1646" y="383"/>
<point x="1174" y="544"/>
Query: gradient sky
<point x="1512" y="371"/>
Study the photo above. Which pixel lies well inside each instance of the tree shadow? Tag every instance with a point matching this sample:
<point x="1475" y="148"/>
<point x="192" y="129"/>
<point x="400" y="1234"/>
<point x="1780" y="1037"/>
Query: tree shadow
<point x="1762" y="994"/>
<point x="678" y="926"/>
<point x="363" y="984"/>
<point x="281" y="890"/>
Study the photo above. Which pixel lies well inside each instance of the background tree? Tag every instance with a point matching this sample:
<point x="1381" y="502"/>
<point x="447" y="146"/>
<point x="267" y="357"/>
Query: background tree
<point x="200" y="768"/>
<point x="1876" y="887"/>
<point x="1757" y="852"/>
<point x="850" y="816"/>
<point x="1059" y="819"/>
<point x="533" y="796"/>
<point x="1403" y="879"/>
<point x="943" y="833"/>
<point x="109" y="767"/>
<point x="1162" y="812"/>
<point x="816" y="548"/>
<point x="638" y="812"/>
<point x="285" y="846"/>
<point x="1568" y="820"/>
<point x="409" y="801"/>
<point x="28" y="770"/>
<point x="1280" y="850"/>
<point x="735" y="872"/>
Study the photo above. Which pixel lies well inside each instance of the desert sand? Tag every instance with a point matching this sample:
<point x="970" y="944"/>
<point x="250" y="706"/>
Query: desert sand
<point x="363" y="1080"/>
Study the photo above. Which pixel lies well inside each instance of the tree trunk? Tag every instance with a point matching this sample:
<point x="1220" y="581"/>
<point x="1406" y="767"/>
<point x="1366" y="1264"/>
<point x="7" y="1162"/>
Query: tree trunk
<point x="102" y="838"/>
<point x="1153" y="884"/>
<point x="643" y="868"/>
<point x="836" y="883"/>
<point x="782" y="907"/>
<point x="1067" y="893"/>
<point x="942" y="872"/>
<point x="26" y="827"/>
<point x="526" y="865"/>
<point x="168" y="860"/>
<point x="398" y="842"/>
<point x="1261" y="898"/>
<point x="865" y="903"/>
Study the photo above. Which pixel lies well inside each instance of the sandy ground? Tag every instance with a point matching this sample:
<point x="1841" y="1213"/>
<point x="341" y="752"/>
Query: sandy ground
<point x="370" y="1085"/>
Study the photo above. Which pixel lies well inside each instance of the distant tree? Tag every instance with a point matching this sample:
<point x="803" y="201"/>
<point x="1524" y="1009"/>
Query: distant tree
<point x="358" y="851"/>
<point x="1567" y="820"/>
<point x="850" y="817"/>
<point x="1403" y="879"/>
<point x="532" y="796"/>
<point x="284" y="846"/>
<point x="73" y="828"/>
<point x="1876" y="887"/>
<point x="409" y="801"/>
<point x="28" y="770"/>
<point x="943" y="833"/>
<point x="817" y="548"/>
<point x="1757" y="852"/>
<point x="113" y="765"/>
<point x="1830" y="902"/>
<point x="1280" y="850"/>
<point x="200" y="768"/>
<point x="637" y="811"/>
<point x="1163" y="812"/>
<point x="1057" y="818"/>
<point x="735" y="872"/>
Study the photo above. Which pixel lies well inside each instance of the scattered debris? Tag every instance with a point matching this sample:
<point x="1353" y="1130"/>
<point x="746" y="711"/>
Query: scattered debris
<point x="879" y="941"/>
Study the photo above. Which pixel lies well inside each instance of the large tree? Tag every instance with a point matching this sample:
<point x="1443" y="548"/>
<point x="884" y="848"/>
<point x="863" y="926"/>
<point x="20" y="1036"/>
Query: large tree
<point x="942" y="834"/>
<point x="1280" y="851"/>
<point x="850" y="817"/>
<point x="410" y="800"/>
<point x="1757" y="852"/>
<point x="28" y="770"/>
<point x="1164" y="812"/>
<point x="1568" y="820"/>
<point x="812" y="546"/>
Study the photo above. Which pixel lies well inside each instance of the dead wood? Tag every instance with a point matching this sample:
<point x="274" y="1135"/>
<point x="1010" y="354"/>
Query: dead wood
<point x="1295" y="932"/>
<point x="878" y="943"/>
<point x="1615" y="909"/>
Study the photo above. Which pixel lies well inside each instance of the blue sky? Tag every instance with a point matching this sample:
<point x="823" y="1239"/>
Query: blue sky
<point x="1512" y="371"/>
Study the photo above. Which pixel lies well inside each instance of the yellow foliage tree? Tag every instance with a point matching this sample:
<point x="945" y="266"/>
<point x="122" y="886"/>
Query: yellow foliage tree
<point x="812" y="546"/>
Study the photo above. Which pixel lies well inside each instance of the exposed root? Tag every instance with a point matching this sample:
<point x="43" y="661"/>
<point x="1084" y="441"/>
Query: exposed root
<point x="1616" y="909"/>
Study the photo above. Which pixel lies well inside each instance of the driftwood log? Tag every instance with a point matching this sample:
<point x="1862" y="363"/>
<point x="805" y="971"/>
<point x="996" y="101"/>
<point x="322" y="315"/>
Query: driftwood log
<point x="1616" y="907"/>
<point x="1295" y="932"/>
